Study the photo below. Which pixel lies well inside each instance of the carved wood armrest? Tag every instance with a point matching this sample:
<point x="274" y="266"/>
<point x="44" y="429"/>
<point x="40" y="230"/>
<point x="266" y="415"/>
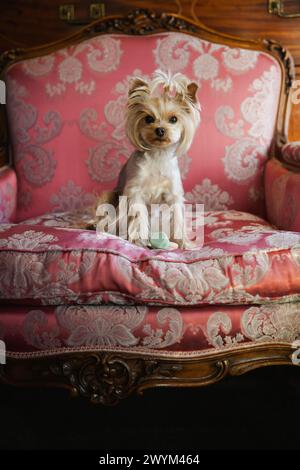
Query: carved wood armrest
<point x="290" y="154"/>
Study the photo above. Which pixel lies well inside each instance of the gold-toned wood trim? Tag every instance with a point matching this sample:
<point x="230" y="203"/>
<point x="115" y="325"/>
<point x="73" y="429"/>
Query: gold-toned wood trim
<point x="108" y="377"/>
<point x="276" y="7"/>
<point x="143" y="22"/>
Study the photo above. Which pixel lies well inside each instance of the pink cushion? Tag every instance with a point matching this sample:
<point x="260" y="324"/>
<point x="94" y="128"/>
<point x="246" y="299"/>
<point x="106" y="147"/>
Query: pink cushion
<point x="244" y="260"/>
<point x="8" y="195"/>
<point x="166" y="331"/>
<point x="282" y="196"/>
<point x="66" y="120"/>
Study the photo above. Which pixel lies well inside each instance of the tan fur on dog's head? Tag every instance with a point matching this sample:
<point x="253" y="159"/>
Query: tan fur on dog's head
<point x="159" y="121"/>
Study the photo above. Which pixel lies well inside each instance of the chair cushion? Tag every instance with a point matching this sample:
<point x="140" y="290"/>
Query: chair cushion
<point x="166" y="330"/>
<point x="244" y="260"/>
<point x="66" y="116"/>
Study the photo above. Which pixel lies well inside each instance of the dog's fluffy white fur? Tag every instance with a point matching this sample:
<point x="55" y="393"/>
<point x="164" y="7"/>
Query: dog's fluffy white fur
<point x="161" y="119"/>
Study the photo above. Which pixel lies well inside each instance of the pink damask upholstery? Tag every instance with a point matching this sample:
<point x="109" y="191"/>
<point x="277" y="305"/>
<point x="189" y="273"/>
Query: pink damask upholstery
<point x="8" y="195"/>
<point x="282" y="195"/>
<point x="64" y="289"/>
<point x="66" y="120"/>
<point x="163" y="330"/>
<point x="244" y="260"/>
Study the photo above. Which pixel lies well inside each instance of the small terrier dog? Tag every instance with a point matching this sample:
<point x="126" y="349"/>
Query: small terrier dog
<point x="161" y="120"/>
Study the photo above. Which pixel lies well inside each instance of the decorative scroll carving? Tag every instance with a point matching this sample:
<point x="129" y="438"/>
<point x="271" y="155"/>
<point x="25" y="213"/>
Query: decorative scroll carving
<point x="102" y="378"/>
<point x="108" y="377"/>
<point x="143" y="21"/>
<point x="285" y="58"/>
<point x="8" y="57"/>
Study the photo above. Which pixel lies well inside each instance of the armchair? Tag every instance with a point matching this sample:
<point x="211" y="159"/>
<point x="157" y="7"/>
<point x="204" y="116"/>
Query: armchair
<point x="105" y="318"/>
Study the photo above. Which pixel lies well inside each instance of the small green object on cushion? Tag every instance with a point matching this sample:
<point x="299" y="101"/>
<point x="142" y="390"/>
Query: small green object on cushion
<point x="159" y="240"/>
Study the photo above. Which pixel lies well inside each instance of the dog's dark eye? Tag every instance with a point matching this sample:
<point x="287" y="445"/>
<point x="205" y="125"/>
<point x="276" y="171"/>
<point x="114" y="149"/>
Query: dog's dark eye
<point x="173" y="119"/>
<point x="149" y="119"/>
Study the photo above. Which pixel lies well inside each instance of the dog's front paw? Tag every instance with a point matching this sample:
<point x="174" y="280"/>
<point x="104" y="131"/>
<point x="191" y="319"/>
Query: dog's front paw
<point x="136" y="239"/>
<point x="137" y="233"/>
<point x="186" y="244"/>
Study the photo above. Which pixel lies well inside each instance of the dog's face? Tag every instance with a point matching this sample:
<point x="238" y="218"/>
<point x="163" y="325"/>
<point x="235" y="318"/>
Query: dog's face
<point x="159" y="122"/>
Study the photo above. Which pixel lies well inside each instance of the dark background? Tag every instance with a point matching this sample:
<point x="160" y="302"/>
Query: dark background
<point x="259" y="410"/>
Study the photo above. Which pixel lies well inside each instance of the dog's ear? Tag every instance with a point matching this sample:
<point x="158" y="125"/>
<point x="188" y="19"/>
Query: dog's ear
<point x="138" y="87"/>
<point x="192" y="89"/>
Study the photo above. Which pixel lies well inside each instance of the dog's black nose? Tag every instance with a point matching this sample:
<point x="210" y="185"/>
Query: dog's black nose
<point x="160" y="131"/>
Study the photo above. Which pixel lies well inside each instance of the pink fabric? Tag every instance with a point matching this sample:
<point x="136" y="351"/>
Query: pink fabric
<point x="66" y="120"/>
<point x="244" y="261"/>
<point x="282" y="196"/>
<point x="8" y="195"/>
<point x="145" y="329"/>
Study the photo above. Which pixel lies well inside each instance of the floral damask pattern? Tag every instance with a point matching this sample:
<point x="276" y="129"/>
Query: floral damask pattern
<point x="102" y="327"/>
<point x="244" y="158"/>
<point x="155" y="338"/>
<point x="267" y="323"/>
<point x="224" y="122"/>
<point x="114" y="109"/>
<point x="239" y="60"/>
<point x="176" y="53"/>
<point x="153" y="329"/>
<point x="34" y="163"/>
<point x="210" y="195"/>
<point x="241" y="160"/>
<point x="113" y="149"/>
<point x="72" y="198"/>
<point x="29" y="240"/>
<point x="218" y="327"/>
<point x="102" y="55"/>
<point x="36" y="332"/>
<point x="66" y="114"/>
<point x="39" y="66"/>
<point x="258" y="109"/>
<point x="50" y="261"/>
<point x="22" y="273"/>
<point x="104" y="162"/>
<point x="38" y="165"/>
<point x="109" y="326"/>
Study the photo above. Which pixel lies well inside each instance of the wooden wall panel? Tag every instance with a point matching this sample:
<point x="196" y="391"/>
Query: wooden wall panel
<point x="249" y="19"/>
<point x="25" y="23"/>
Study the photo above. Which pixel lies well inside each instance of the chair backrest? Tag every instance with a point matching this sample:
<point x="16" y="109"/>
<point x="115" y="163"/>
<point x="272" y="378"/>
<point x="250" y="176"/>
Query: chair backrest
<point x="66" y="102"/>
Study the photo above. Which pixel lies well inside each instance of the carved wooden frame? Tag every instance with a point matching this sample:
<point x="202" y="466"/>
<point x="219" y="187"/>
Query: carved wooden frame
<point x="107" y="377"/>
